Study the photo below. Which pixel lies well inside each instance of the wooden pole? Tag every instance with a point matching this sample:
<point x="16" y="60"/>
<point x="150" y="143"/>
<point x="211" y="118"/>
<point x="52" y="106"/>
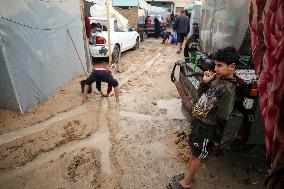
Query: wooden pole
<point x="77" y="52"/>
<point x="86" y="46"/>
<point x="108" y="33"/>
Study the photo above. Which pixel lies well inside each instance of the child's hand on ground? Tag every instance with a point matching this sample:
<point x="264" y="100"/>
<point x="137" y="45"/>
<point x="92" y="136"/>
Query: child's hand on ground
<point x="104" y="95"/>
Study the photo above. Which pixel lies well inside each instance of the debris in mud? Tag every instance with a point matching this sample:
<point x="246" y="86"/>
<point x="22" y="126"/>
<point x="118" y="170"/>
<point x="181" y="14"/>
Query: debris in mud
<point x="154" y="103"/>
<point x="245" y="181"/>
<point x="177" y="146"/>
<point x="212" y="178"/>
<point x="74" y="130"/>
<point x="182" y="146"/>
<point x="82" y="164"/>
<point x="63" y="155"/>
<point x="163" y="111"/>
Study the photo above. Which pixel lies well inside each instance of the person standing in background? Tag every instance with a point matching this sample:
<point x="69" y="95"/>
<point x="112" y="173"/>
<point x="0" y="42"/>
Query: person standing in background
<point x="157" y="27"/>
<point x="181" y="27"/>
<point x="188" y="14"/>
<point x="172" y="16"/>
<point x="88" y="34"/>
<point x="87" y="26"/>
<point x="148" y="24"/>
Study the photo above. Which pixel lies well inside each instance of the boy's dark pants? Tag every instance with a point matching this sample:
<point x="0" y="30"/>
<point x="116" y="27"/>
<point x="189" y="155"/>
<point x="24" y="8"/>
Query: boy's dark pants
<point x="201" y="139"/>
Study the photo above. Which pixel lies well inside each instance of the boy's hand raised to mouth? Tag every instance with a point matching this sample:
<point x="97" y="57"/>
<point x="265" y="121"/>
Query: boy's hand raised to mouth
<point x="208" y="76"/>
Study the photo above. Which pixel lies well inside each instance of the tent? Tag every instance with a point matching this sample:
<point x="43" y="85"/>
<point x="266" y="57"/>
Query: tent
<point x="37" y="55"/>
<point x="99" y="11"/>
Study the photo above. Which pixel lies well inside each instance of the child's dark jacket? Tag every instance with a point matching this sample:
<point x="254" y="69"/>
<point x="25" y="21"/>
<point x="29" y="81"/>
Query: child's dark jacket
<point x="216" y="101"/>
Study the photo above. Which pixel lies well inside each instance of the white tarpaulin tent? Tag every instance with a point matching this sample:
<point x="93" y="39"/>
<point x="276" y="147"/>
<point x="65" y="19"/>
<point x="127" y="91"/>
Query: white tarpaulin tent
<point x="37" y="55"/>
<point x="99" y="11"/>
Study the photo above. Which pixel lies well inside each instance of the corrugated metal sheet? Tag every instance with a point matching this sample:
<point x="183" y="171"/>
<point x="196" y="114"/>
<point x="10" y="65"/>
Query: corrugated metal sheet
<point x="125" y="3"/>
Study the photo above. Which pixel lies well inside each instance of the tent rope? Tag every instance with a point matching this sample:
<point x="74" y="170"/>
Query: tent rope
<point x="37" y="28"/>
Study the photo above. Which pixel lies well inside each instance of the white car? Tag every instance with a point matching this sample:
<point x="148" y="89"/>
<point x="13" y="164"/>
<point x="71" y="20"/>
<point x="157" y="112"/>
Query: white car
<point x="121" y="39"/>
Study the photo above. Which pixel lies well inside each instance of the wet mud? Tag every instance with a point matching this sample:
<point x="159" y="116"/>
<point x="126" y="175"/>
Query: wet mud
<point x="140" y="143"/>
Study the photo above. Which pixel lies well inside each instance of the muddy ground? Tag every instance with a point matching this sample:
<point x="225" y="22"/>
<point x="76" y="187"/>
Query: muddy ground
<point x="140" y="143"/>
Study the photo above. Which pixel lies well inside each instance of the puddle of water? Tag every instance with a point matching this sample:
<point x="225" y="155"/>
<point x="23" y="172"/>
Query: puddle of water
<point x="173" y="107"/>
<point x="101" y="138"/>
<point x="136" y="116"/>
<point x="101" y="141"/>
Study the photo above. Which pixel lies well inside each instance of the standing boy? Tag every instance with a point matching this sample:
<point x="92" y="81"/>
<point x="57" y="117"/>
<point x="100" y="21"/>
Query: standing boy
<point x="217" y="96"/>
<point x="98" y="75"/>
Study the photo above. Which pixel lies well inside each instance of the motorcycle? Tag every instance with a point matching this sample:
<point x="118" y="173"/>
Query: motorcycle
<point x="244" y="125"/>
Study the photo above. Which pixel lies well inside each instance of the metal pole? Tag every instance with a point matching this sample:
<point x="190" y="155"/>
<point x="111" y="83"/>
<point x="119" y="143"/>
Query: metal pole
<point x="108" y="33"/>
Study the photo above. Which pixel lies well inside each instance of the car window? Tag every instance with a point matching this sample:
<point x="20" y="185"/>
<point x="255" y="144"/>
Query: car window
<point x="99" y="25"/>
<point x="117" y="28"/>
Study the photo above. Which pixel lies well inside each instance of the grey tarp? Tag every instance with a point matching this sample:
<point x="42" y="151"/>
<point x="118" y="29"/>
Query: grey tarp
<point x="37" y="55"/>
<point x="223" y="23"/>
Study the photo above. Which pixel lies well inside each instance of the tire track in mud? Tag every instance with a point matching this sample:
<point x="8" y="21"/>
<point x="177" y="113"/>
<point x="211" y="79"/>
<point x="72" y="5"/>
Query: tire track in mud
<point x="28" y="148"/>
<point x="99" y="141"/>
<point x="142" y="68"/>
<point x="46" y="157"/>
<point x="79" y="168"/>
<point x="12" y="136"/>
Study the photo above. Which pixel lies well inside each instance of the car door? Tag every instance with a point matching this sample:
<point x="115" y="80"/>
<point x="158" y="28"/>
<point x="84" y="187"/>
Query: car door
<point x="120" y="36"/>
<point x="132" y="37"/>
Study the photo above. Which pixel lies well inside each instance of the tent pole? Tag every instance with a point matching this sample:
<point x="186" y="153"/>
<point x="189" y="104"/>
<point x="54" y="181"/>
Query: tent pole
<point x="108" y="33"/>
<point x="10" y="73"/>
<point x="77" y="52"/>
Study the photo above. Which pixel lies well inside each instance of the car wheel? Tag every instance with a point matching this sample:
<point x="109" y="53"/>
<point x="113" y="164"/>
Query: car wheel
<point x="115" y="54"/>
<point x="142" y="36"/>
<point x="136" y="46"/>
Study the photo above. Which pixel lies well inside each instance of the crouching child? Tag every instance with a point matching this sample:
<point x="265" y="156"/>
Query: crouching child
<point x="212" y="110"/>
<point x="166" y="36"/>
<point x="100" y="74"/>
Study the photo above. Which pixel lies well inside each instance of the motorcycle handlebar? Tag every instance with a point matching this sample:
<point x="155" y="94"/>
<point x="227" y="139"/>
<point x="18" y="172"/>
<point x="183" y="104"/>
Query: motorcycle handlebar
<point x="195" y="74"/>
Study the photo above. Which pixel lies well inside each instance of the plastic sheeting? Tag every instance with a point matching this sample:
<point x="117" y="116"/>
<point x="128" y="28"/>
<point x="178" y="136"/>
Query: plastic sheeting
<point x="37" y="55"/>
<point x="99" y="11"/>
<point x="144" y="5"/>
<point x="223" y="23"/>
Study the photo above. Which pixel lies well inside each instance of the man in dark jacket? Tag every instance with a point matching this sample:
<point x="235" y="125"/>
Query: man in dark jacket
<point x="181" y="27"/>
